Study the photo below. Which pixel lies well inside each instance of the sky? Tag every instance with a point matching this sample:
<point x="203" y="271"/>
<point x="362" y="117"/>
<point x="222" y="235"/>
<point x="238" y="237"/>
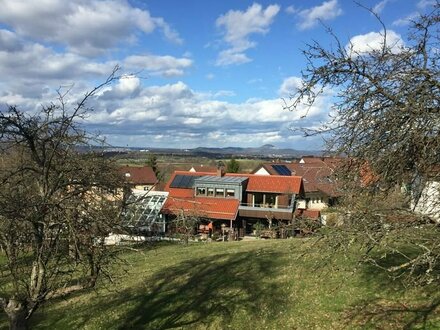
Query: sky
<point x="193" y="73"/>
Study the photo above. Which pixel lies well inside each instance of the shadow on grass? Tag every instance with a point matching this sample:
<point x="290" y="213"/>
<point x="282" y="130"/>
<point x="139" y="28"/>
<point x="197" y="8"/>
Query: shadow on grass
<point x="391" y="314"/>
<point x="200" y="292"/>
<point x="387" y="311"/>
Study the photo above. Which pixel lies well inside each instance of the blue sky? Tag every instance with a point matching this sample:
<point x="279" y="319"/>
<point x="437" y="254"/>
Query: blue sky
<point x="207" y="73"/>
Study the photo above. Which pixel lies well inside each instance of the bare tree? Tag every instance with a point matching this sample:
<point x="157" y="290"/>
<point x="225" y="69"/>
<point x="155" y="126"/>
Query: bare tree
<point x="184" y="225"/>
<point x="386" y="119"/>
<point x="56" y="206"/>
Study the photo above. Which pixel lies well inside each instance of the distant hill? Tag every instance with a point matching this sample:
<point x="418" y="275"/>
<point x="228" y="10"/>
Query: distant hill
<point x="265" y="151"/>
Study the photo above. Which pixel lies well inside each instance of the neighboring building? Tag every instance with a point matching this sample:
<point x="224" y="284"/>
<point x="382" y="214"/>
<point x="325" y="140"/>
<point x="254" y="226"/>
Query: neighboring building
<point x="321" y="190"/>
<point x="144" y="203"/>
<point x="140" y="178"/>
<point x="321" y="160"/>
<point x="143" y="214"/>
<point x="425" y="195"/>
<point x="203" y="168"/>
<point x="236" y="200"/>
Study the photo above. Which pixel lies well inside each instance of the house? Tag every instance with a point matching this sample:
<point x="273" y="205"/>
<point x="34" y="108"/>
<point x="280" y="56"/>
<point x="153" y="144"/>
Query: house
<point x="235" y="200"/>
<point x="320" y="188"/>
<point x="321" y="160"/>
<point x="203" y="168"/>
<point x="425" y="195"/>
<point x="139" y="178"/>
<point x="143" y="213"/>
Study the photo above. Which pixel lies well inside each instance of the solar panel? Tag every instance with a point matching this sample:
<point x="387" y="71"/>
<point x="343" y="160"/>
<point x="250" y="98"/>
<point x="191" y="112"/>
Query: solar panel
<point x="183" y="181"/>
<point x="223" y="179"/>
<point x="282" y="170"/>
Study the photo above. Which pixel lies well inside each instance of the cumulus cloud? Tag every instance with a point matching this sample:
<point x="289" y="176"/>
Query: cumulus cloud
<point x="172" y="113"/>
<point x="372" y="41"/>
<point x="167" y="66"/>
<point x="238" y="26"/>
<point x="9" y="42"/>
<point x="128" y="112"/>
<point x="289" y="86"/>
<point x="84" y="27"/>
<point x="176" y="115"/>
<point x="29" y="68"/>
<point x="326" y="11"/>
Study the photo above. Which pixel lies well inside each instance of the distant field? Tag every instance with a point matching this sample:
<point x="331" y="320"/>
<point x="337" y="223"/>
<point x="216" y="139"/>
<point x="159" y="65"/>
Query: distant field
<point x="167" y="164"/>
<point x="240" y="285"/>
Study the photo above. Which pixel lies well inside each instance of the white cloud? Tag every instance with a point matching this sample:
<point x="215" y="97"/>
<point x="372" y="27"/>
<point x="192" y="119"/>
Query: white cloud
<point x="238" y="26"/>
<point x="422" y="4"/>
<point x="85" y="27"/>
<point x="128" y="84"/>
<point x="328" y="10"/>
<point x="231" y="56"/>
<point x="380" y="6"/>
<point x="29" y="68"/>
<point x="192" y="121"/>
<point x="9" y="41"/>
<point x="35" y="62"/>
<point x="309" y="18"/>
<point x="167" y="66"/>
<point x="373" y="41"/>
<point x="406" y="20"/>
<point x="177" y="113"/>
<point x="289" y="86"/>
<point x="167" y="31"/>
<point x="291" y="10"/>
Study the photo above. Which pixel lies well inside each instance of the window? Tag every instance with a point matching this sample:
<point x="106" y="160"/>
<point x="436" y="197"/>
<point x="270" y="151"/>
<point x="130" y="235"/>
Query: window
<point x="219" y="192"/>
<point x="230" y="193"/>
<point x="210" y="191"/>
<point x="271" y="200"/>
<point x="201" y="191"/>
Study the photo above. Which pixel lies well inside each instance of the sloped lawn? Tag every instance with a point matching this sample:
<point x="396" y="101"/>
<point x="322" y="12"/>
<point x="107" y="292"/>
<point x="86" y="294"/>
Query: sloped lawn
<point x="273" y="284"/>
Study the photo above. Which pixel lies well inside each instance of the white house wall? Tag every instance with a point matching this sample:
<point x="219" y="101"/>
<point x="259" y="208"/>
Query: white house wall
<point x="262" y="171"/>
<point x="429" y="201"/>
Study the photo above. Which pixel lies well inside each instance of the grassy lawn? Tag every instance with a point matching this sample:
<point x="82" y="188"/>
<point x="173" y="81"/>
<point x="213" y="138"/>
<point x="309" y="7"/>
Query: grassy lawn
<point x="240" y="285"/>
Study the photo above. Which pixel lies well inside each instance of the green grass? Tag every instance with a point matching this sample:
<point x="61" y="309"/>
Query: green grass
<point x="240" y="285"/>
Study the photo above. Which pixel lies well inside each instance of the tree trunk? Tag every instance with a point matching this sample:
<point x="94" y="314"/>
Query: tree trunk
<point x="17" y="313"/>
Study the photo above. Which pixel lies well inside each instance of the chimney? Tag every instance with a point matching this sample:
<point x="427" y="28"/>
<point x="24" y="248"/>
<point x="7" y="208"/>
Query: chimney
<point x="220" y="169"/>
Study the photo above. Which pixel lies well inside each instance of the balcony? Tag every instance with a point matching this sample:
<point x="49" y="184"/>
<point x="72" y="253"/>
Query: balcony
<point x="265" y="211"/>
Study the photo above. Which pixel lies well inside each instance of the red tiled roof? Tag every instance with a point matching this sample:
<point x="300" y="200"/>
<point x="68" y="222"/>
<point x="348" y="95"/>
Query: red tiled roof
<point x="138" y="175"/>
<point x="274" y="184"/>
<point x="312" y="160"/>
<point x="180" y="192"/>
<point x="206" y="207"/>
<point x="316" y="173"/>
<point x="329" y="160"/>
<point x="268" y="167"/>
<point x="316" y="177"/>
